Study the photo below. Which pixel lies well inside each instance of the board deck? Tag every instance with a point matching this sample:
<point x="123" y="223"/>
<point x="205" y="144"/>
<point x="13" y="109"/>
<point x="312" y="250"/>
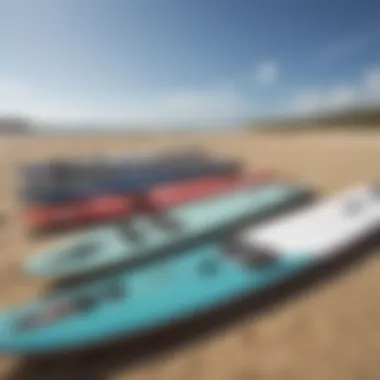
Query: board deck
<point x="145" y="236"/>
<point x="157" y="294"/>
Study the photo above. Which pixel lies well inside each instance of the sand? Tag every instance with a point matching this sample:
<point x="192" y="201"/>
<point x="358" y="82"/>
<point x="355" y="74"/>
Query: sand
<point x="329" y="332"/>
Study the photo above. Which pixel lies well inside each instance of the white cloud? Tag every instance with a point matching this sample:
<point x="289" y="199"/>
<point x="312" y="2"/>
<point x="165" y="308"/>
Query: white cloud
<point x="225" y="104"/>
<point x="341" y="96"/>
<point x="198" y="107"/>
<point x="266" y="72"/>
<point x="20" y="99"/>
<point x="343" y="48"/>
<point x="371" y="81"/>
<point x="334" y="98"/>
<point x="364" y="91"/>
<point x="185" y="107"/>
<point x="12" y="95"/>
<point x="307" y="101"/>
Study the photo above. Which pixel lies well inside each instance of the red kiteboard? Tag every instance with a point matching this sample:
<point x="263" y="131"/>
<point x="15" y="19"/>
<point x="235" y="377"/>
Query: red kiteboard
<point x="109" y="207"/>
<point x="162" y="197"/>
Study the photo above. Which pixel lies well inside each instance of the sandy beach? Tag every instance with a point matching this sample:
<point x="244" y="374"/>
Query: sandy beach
<point x="329" y="332"/>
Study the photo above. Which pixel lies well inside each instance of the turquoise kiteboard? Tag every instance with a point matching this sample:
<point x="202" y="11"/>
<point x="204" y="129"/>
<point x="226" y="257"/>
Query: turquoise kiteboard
<point x="145" y="236"/>
<point x="196" y="280"/>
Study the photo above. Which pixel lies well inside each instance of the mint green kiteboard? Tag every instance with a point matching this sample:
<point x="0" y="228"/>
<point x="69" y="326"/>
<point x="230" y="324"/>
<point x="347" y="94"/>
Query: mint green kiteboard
<point x="144" y="237"/>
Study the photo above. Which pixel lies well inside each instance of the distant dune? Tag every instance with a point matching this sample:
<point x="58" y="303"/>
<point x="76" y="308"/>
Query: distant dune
<point x="363" y="118"/>
<point x="15" y="125"/>
<point x="360" y="118"/>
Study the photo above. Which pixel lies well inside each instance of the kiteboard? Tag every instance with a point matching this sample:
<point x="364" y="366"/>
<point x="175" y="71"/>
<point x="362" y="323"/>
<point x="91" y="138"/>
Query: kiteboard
<point x="196" y="280"/>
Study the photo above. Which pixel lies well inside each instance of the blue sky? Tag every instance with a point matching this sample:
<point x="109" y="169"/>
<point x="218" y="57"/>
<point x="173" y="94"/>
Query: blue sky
<point x="186" y="62"/>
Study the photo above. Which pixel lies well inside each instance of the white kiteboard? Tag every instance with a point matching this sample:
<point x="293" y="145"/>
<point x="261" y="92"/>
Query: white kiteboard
<point x="326" y="227"/>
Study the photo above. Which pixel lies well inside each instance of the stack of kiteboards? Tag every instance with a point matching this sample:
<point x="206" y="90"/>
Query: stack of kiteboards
<point x="66" y="193"/>
<point x="197" y="234"/>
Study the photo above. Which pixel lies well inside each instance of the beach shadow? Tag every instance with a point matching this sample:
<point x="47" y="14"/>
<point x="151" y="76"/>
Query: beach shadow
<point x="101" y="362"/>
